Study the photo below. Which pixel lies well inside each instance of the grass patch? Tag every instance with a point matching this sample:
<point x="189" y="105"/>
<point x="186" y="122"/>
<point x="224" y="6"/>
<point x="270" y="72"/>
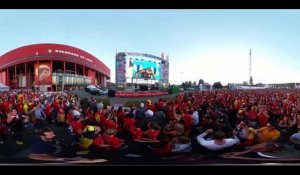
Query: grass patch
<point x="104" y="101"/>
<point x="135" y="103"/>
<point x="84" y="102"/>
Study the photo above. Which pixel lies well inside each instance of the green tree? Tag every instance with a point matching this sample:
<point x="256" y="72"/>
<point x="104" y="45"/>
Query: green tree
<point x="183" y="85"/>
<point x="217" y="85"/>
<point x="251" y="81"/>
<point x="201" y="81"/>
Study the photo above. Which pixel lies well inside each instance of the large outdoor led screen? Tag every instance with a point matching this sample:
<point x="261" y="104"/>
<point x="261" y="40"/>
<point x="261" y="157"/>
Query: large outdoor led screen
<point x="143" y="68"/>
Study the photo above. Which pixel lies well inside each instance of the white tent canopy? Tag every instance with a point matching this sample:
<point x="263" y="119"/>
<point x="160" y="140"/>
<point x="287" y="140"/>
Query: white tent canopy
<point x="4" y="87"/>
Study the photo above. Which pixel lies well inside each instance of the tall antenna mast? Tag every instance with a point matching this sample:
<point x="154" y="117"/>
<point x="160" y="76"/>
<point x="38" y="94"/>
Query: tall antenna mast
<point x="250" y="69"/>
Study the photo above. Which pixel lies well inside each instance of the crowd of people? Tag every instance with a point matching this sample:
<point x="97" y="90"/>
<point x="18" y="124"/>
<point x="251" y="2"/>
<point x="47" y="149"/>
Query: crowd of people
<point x="208" y="120"/>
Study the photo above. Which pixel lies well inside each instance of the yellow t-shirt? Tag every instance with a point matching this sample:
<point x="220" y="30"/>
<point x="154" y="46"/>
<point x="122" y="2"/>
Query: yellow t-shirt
<point x="251" y="133"/>
<point x="19" y="96"/>
<point x="266" y="136"/>
<point x="25" y="108"/>
<point x="61" y="118"/>
<point x="85" y="142"/>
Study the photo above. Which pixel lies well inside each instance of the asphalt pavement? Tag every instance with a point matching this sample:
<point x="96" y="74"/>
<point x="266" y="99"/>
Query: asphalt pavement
<point x="119" y="100"/>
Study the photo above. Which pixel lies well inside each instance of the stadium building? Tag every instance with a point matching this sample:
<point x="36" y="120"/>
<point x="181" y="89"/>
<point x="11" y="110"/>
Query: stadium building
<point x="51" y="67"/>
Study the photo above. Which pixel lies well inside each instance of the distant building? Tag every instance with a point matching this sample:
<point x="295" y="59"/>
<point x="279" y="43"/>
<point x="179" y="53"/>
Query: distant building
<point x="234" y="86"/>
<point x="50" y="66"/>
<point x="286" y="85"/>
<point x="205" y="87"/>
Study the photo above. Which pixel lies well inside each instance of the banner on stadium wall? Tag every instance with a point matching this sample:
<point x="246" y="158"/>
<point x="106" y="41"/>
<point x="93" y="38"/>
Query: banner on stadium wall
<point x="140" y="94"/>
<point x="92" y="75"/>
<point x="43" y="73"/>
<point x="3" y="77"/>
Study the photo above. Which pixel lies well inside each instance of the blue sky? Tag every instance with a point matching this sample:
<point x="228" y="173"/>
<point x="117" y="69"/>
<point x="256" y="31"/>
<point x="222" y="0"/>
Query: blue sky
<point x="209" y="44"/>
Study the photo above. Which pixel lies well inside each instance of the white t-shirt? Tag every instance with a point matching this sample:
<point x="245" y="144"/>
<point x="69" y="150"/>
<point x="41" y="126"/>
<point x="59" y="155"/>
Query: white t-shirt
<point x="212" y="146"/>
<point x="295" y="137"/>
<point x="195" y="118"/>
<point x="180" y="148"/>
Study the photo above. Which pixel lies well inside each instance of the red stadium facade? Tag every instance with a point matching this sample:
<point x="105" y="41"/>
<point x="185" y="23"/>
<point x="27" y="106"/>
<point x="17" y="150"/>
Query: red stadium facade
<point x="51" y="67"/>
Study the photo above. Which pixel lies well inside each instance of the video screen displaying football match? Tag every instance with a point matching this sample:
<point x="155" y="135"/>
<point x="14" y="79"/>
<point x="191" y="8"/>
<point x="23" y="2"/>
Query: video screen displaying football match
<point x="143" y="68"/>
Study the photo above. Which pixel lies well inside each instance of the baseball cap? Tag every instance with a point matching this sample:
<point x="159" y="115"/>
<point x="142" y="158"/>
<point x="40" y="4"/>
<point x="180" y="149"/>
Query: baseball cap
<point x="142" y="105"/>
<point x="90" y="128"/>
<point x="100" y="106"/>
<point x="76" y="113"/>
<point x="149" y="113"/>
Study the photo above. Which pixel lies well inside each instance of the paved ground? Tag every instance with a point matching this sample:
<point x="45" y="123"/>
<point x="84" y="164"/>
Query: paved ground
<point x="118" y="100"/>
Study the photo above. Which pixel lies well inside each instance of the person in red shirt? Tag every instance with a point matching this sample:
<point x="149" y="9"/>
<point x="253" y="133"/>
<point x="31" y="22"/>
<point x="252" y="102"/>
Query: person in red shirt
<point x="98" y="140"/>
<point x="136" y="133"/>
<point x="76" y="128"/>
<point x="99" y="117"/>
<point x="5" y="106"/>
<point x="153" y="131"/>
<point x="188" y="122"/>
<point x="128" y="123"/>
<point x="171" y="112"/>
<point x="48" y="112"/>
<point x="109" y="122"/>
<point x="56" y="104"/>
<point x="61" y="117"/>
<point x="1" y="102"/>
<point x="165" y="147"/>
<point x="253" y="117"/>
<point x="69" y="117"/>
<point x="90" y="116"/>
<point x="145" y="137"/>
<point x="111" y="139"/>
<point x="19" y="106"/>
<point x="263" y="118"/>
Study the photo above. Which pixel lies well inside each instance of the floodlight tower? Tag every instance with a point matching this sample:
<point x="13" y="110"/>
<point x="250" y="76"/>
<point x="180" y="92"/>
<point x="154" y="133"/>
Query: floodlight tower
<point x="250" y="69"/>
